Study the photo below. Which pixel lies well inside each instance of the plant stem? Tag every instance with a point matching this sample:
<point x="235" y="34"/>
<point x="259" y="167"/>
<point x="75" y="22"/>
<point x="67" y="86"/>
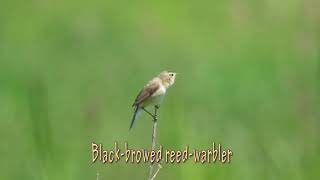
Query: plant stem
<point x="153" y="144"/>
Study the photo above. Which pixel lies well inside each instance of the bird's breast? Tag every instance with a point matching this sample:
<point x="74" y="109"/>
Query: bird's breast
<point x="160" y="91"/>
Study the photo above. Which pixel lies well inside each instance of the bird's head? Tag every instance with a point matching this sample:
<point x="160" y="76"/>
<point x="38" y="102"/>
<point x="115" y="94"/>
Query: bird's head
<point x="167" y="78"/>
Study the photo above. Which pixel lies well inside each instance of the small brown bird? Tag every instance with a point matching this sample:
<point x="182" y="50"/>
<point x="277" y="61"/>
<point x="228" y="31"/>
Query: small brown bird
<point x="153" y="93"/>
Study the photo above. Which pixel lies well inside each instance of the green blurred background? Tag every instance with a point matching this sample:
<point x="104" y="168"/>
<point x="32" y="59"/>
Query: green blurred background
<point x="249" y="79"/>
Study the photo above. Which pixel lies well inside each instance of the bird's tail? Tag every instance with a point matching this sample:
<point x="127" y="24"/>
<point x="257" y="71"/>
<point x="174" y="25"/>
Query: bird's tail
<point x="134" y="116"/>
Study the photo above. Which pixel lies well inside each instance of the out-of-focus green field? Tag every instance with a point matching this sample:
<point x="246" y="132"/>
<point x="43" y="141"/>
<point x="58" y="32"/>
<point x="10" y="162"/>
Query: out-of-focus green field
<point x="249" y="79"/>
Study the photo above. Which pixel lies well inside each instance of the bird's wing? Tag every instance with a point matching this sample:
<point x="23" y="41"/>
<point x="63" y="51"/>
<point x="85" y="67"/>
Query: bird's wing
<point x="146" y="92"/>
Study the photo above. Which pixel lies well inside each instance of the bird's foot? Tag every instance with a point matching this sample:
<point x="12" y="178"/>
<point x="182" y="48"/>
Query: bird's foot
<point x="155" y="118"/>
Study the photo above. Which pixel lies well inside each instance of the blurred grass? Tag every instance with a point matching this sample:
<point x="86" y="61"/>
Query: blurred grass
<point x="249" y="79"/>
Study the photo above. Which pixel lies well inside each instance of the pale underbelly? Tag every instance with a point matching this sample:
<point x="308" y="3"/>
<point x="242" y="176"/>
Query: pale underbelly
<point x="152" y="101"/>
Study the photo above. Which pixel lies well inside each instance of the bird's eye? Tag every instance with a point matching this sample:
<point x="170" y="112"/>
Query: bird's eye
<point x="171" y="74"/>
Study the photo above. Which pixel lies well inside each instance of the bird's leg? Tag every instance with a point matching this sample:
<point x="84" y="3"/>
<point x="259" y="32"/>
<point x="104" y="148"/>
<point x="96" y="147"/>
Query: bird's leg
<point x="156" y="107"/>
<point x="145" y="110"/>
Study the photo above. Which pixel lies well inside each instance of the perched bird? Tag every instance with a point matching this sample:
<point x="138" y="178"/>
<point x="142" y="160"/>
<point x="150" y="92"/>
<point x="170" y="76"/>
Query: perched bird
<point x="152" y="94"/>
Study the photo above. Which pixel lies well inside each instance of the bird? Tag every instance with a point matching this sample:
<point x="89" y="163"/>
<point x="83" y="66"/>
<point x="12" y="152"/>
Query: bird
<point x="152" y="94"/>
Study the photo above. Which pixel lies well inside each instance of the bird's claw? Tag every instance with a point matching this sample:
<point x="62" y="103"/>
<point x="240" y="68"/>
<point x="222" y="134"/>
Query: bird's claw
<point x="155" y="118"/>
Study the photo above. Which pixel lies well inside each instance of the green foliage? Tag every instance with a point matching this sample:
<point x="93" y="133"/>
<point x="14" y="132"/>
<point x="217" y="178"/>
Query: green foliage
<point x="249" y="79"/>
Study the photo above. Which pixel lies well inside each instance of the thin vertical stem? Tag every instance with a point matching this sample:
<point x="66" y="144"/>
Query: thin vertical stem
<point x="153" y="140"/>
